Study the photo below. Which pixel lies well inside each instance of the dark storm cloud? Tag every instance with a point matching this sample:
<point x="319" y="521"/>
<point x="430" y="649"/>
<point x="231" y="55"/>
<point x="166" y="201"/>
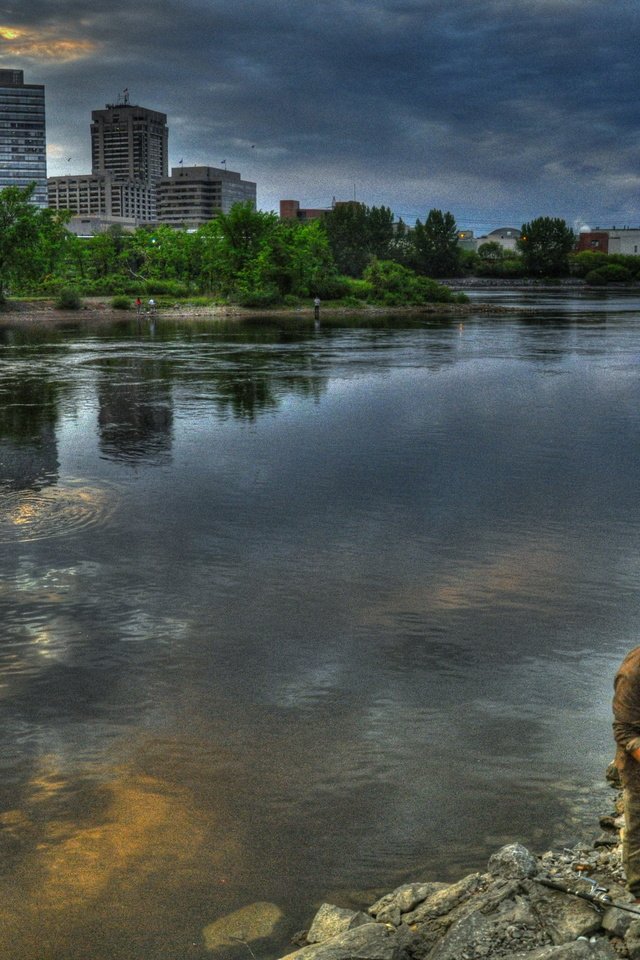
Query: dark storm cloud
<point x="497" y="110"/>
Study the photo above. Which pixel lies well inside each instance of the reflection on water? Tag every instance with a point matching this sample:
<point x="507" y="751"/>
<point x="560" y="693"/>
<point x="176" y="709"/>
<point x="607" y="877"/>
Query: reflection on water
<point x="55" y="511"/>
<point x="291" y="614"/>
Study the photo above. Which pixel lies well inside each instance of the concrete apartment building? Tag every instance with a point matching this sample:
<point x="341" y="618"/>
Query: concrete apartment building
<point x="192" y="196"/>
<point x="23" y="146"/>
<point x="129" y="156"/>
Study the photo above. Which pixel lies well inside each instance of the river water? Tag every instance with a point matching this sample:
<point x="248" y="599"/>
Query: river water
<point x="296" y="614"/>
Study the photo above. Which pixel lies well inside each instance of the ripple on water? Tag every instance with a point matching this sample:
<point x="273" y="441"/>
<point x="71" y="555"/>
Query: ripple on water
<point x="56" y="511"/>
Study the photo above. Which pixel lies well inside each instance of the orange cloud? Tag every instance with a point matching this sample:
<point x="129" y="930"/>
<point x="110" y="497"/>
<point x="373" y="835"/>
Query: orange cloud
<point x="15" y="42"/>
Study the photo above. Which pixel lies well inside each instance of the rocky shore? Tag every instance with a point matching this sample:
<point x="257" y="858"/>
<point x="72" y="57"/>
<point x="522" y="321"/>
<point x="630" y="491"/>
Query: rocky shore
<point x="503" y="912"/>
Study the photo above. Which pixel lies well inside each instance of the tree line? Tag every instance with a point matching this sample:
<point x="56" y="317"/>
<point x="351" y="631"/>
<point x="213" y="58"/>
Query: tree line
<point x="355" y="253"/>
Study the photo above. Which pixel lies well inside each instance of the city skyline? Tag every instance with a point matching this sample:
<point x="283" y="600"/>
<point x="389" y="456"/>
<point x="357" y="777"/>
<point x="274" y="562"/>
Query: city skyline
<point x="497" y="110"/>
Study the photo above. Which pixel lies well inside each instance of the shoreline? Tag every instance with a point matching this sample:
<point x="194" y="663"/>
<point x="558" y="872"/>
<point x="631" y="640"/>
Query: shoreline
<point x="98" y="310"/>
<point x="521" y="907"/>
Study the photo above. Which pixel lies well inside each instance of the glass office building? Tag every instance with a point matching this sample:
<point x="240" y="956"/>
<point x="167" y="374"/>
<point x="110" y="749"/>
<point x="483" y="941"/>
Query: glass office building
<point x="23" y="145"/>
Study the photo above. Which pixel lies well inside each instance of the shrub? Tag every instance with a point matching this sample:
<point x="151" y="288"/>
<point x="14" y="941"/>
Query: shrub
<point x="612" y="273"/>
<point x="167" y="288"/>
<point x="357" y="290"/>
<point x="249" y="296"/>
<point x="121" y="302"/>
<point x="68" y="299"/>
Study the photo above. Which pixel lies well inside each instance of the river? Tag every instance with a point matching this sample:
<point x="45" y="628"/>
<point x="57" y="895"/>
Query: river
<point x="292" y="615"/>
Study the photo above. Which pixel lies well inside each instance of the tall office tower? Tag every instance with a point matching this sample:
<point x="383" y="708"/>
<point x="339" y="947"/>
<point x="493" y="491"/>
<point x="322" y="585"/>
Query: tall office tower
<point x="23" y="144"/>
<point x="129" y="142"/>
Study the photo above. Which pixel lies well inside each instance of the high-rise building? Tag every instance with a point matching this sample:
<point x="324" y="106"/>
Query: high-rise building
<point x="192" y="196"/>
<point x="23" y="145"/>
<point x="129" y="142"/>
<point x="129" y="155"/>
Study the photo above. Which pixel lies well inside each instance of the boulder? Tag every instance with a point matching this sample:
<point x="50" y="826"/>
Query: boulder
<point x="443" y="901"/>
<point x="617" y="922"/>
<point x="491" y="927"/>
<point x="404" y="898"/>
<point x="330" y="921"/>
<point x="564" y="917"/>
<point x="513" y="862"/>
<point x="371" y="941"/>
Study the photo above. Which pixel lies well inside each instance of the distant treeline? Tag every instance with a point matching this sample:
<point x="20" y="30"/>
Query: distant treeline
<point x="353" y="254"/>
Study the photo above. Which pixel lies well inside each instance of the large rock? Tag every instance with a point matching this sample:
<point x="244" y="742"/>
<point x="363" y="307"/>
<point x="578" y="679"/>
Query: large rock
<point x="329" y="921"/>
<point x="371" y="941"/>
<point x="496" y="922"/>
<point x="564" y="917"/>
<point x="443" y="901"/>
<point x="404" y="899"/>
<point x="513" y="862"/>
<point x="617" y="922"/>
<point x="495" y="916"/>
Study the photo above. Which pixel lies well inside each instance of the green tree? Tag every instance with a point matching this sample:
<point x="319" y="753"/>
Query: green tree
<point x="545" y="244"/>
<point x="358" y="233"/>
<point x="436" y="252"/>
<point x="20" y="223"/>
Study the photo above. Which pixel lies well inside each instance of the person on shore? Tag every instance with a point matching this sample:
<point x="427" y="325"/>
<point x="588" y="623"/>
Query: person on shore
<point x="626" y="730"/>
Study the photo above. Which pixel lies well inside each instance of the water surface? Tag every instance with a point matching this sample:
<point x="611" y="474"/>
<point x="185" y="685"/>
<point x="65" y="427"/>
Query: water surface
<point x="289" y="615"/>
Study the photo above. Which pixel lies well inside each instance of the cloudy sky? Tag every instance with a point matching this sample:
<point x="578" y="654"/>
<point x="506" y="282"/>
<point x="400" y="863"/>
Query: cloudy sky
<point x="498" y="110"/>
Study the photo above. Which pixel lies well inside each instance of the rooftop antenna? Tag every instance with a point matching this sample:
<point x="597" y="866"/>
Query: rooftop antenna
<point x="123" y="98"/>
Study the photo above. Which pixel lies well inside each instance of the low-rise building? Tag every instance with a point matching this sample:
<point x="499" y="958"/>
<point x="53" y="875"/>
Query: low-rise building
<point x="192" y="196"/>
<point x="101" y="195"/>
<point x="610" y="240"/>
<point x="291" y="210"/>
<point x="507" y="237"/>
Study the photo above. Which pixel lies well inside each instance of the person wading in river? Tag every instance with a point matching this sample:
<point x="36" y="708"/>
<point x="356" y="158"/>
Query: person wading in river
<point x="626" y="729"/>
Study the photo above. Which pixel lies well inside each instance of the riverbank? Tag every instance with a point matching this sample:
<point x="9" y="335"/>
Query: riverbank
<point x="98" y="310"/>
<point x="505" y="912"/>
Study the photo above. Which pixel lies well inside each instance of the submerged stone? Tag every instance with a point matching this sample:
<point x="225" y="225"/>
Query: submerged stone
<point x="249" y="923"/>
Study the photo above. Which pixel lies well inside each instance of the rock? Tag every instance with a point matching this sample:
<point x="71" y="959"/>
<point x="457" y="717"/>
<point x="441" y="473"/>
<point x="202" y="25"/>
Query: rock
<point x="632" y="940"/>
<point x="606" y="840"/>
<point x="578" y="950"/>
<point x="371" y="941"/>
<point x="564" y="917"/>
<point x="406" y="898"/>
<point x="464" y="938"/>
<point x="443" y="901"/>
<point x="249" y="923"/>
<point x="612" y="776"/>
<point x="330" y="921"/>
<point x="514" y="862"/>
<point x="616" y="922"/>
